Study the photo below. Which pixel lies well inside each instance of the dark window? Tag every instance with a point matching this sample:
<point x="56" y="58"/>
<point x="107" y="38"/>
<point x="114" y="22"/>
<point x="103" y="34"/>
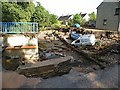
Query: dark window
<point x="117" y="10"/>
<point x="78" y="41"/>
<point x="105" y="22"/>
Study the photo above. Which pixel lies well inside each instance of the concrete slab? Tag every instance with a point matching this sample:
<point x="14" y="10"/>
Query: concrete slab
<point x="48" y="68"/>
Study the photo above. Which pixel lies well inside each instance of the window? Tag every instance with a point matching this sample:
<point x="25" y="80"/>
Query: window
<point x="78" y="41"/>
<point x="105" y="22"/>
<point x="117" y="10"/>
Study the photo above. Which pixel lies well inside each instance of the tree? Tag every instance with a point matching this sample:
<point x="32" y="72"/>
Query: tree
<point x="70" y="22"/>
<point x="53" y="19"/>
<point x="17" y="11"/>
<point x="78" y="19"/>
<point x="92" y="16"/>
<point x="27" y="12"/>
<point x="28" y="8"/>
<point x="42" y="16"/>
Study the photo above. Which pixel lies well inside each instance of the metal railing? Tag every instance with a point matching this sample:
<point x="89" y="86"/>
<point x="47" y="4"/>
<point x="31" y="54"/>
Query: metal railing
<point x="18" y="27"/>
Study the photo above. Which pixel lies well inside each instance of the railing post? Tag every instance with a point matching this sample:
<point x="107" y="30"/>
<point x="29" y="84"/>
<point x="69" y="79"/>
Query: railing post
<point x="5" y="27"/>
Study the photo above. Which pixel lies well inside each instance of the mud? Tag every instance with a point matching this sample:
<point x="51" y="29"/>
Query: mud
<point x="84" y="73"/>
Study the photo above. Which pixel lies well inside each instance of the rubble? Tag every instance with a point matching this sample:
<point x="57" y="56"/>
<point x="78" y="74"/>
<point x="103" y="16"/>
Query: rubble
<point x="56" y="47"/>
<point x="94" y="55"/>
<point x="11" y="64"/>
<point x="48" y="68"/>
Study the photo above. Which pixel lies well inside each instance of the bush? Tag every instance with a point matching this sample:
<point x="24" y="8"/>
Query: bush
<point x="41" y="29"/>
<point x="98" y="43"/>
<point x="56" y="25"/>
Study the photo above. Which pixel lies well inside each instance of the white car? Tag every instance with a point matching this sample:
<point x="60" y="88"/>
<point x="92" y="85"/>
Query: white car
<point x="88" y="39"/>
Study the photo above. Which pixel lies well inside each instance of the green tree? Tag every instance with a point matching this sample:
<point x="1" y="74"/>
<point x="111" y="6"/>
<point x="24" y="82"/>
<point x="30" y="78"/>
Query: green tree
<point x="17" y="11"/>
<point x="92" y="16"/>
<point x="70" y="22"/>
<point x="27" y="12"/>
<point x="40" y="15"/>
<point x="78" y="19"/>
<point x="29" y="9"/>
<point x="53" y="19"/>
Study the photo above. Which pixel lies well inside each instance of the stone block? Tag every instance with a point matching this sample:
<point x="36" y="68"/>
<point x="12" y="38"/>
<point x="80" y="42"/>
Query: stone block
<point x="48" y="68"/>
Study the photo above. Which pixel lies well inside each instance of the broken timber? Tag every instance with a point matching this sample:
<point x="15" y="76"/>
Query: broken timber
<point x="83" y="54"/>
<point x="47" y="68"/>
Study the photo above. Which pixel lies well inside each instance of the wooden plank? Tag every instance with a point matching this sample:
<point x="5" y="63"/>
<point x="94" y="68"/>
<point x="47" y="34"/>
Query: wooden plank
<point x="20" y="47"/>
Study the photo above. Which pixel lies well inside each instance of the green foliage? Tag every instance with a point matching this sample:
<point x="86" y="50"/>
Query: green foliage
<point x="53" y="19"/>
<point x="42" y="16"/>
<point x="98" y="43"/>
<point x="57" y="24"/>
<point x="0" y="11"/>
<point x="17" y="12"/>
<point x="92" y="16"/>
<point x="20" y="28"/>
<point x="27" y="12"/>
<point x="41" y="29"/>
<point x="70" y="22"/>
<point x="78" y="19"/>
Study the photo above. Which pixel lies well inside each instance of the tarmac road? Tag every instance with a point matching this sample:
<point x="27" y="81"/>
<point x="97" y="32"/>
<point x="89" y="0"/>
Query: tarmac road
<point x="107" y="78"/>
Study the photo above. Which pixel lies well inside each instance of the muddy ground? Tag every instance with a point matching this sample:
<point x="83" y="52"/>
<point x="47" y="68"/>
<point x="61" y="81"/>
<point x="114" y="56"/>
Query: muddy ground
<point x="84" y="73"/>
<point x="107" y="78"/>
<point x="51" y="44"/>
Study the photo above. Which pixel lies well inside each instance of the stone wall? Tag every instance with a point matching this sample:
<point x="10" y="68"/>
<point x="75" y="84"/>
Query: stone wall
<point x="21" y="47"/>
<point x="20" y="39"/>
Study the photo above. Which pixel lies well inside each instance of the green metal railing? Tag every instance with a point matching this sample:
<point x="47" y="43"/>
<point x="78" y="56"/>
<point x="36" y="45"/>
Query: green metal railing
<point x="19" y="27"/>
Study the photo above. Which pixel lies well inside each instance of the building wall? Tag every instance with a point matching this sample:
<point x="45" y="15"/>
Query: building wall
<point x="28" y="50"/>
<point x="106" y="13"/>
<point x="20" y="39"/>
<point x="119" y="18"/>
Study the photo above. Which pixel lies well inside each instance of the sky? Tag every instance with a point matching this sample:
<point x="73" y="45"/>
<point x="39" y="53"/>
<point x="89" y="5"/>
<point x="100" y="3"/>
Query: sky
<point x="65" y="7"/>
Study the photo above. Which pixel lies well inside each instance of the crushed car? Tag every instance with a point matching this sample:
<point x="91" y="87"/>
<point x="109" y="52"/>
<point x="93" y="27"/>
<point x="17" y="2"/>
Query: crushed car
<point x="88" y="39"/>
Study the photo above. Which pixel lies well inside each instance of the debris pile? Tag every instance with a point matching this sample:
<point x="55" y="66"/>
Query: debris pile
<point x="96" y="58"/>
<point x="48" y="68"/>
<point x="57" y="56"/>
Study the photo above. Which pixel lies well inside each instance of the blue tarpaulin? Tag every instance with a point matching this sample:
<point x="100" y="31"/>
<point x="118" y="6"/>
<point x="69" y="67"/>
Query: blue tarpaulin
<point x="77" y="25"/>
<point x="74" y="35"/>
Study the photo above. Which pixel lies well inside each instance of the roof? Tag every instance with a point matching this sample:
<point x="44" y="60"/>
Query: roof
<point x="99" y="5"/>
<point x="83" y="15"/>
<point x="111" y="0"/>
<point x="108" y="1"/>
<point x="63" y="18"/>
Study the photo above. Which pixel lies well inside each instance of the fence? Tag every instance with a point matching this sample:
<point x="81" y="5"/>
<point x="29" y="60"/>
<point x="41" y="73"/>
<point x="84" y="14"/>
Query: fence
<point x="18" y="27"/>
